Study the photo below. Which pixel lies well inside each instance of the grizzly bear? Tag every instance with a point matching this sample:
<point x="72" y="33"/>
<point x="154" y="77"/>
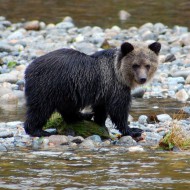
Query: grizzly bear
<point x="67" y="81"/>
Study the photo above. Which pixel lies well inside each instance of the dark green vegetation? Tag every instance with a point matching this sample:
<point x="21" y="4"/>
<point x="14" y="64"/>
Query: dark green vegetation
<point x="83" y="128"/>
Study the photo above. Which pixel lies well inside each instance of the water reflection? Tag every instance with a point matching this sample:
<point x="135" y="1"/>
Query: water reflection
<point x="95" y="170"/>
<point x="104" y="14"/>
<point x="16" y="112"/>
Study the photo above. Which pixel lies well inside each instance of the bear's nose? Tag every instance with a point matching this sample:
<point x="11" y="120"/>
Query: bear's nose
<point x="142" y="80"/>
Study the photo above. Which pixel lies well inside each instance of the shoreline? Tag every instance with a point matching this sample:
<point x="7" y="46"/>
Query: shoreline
<point x="23" y="42"/>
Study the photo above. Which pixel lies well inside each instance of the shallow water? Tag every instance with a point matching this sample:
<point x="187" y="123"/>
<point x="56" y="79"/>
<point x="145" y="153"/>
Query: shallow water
<point x="94" y="170"/>
<point x="101" y="169"/>
<point x="154" y="106"/>
<point x="100" y="13"/>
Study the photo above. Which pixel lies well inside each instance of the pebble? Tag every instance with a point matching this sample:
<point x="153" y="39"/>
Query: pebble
<point x="58" y="140"/>
<point x="182" y="95"/>
<point x="164" y="117"/>
<point x="143" y="119"/>
<point x="136" y="149"/>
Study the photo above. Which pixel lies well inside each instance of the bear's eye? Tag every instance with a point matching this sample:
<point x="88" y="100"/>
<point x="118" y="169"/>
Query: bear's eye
<point x="147" y="67"/>
<point x="135" y="66"/>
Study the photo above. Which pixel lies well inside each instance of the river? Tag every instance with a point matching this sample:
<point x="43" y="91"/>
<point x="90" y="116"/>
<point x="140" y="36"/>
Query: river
<point x="94" y="170"/>
<point x="100" y="13"/>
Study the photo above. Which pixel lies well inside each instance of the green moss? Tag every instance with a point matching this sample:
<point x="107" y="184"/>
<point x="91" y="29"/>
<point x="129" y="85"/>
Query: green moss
<point x="11" y="64"/>
<point x="82" y="128"/>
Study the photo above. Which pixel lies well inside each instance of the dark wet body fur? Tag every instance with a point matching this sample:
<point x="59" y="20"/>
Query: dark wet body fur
<point x="66" y="81"/>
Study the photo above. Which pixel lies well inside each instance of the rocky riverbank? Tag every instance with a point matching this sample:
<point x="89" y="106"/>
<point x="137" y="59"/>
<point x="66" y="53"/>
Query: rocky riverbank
<point x="20" y="43"/>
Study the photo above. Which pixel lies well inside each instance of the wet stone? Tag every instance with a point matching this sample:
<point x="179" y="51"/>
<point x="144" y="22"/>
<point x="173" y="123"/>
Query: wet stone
<point x="135" y="149"/>
<point x="95" y="138"/>
<point x="87" y="144"/>
<point x="76" y="140"/>
<point x="164" y="117"/>
<point x="6" y="134"/>
<point x="3" y="148"/>
<point x="143" y="119"/>
<point x="127" y="141"/>
<point x="58" y="139"/>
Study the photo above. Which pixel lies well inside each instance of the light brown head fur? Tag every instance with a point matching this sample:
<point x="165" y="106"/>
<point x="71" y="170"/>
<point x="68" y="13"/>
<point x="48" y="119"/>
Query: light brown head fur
<point x="136" y="63"/>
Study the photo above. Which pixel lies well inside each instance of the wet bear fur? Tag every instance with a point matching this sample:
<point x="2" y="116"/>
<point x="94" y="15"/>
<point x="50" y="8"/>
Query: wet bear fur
<point x="67" y="81"/>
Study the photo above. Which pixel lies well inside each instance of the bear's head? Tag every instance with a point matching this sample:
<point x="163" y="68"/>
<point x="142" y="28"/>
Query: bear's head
<point x="136" y="63"/>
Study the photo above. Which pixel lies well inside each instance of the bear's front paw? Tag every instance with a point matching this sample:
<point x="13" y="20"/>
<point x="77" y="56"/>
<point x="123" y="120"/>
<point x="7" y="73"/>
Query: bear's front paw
<point x="39" y="133"/>
<point x="133" y="132"/>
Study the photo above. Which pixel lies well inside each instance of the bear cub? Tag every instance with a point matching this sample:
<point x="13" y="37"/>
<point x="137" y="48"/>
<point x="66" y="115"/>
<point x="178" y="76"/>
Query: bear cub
<point x="67" y="81"/>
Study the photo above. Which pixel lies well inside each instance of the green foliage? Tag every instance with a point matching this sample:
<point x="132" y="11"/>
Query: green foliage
<point x="82" y="128"/>
<point x="11" y="64"/>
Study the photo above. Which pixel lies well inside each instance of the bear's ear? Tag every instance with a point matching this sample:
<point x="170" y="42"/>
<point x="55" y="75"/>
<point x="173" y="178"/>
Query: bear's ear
<point x="126" y="48"/>
<point x="155" y="47"/>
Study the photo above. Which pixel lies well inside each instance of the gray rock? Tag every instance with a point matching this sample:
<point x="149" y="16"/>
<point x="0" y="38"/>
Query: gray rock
<point x="143" y="119"/>
<point x="135" y="149"/>
<point x="58" y="139"/>
<point x="147" y="26"/>
<point x="65" y="25"/>
<point x="6" y="134"/>
<point x="138" y="92"/>
<point x="176" y="80"/>
<point x="180" y="29"/>
<point x="18" y="34"/>
<point x="163" y="117"/>
<point x="14" y="124"/>
<point x="32" y="25"/>
<point x="2" y="126"/>
<point x="67" y="19"/>
<point x="87" y="144"/>
<point x="186" y="110"/>
<point x="7" y="77"/>
<point x="5" y="47"/>
<point x="4" y="91"/>
<point x="181" y="73"/>
<point x="95" y="138"/>
<point x="185" y="39"/>
<point x="170" y="58"/>
<point x="153" y="136"/>
<point x="3" y="148"/>
<point x="159" y="28"/>
<point x="124" y="15"/>
<point x="187" y="81"/>
<point x="148" y="35"/>
<point x="127" y="141"/>
<point x="182" y="95"/>
<point x="176" y="49"/>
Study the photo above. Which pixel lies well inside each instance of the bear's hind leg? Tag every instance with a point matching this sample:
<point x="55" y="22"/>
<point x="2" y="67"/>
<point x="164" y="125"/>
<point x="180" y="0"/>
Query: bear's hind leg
<point x="35" y="120"/>
<point x="100" y="115"/>
<point x="69" y="113"/>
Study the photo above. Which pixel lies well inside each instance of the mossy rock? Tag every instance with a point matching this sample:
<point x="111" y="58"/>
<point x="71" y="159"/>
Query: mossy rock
<point x="82" y="128"/>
